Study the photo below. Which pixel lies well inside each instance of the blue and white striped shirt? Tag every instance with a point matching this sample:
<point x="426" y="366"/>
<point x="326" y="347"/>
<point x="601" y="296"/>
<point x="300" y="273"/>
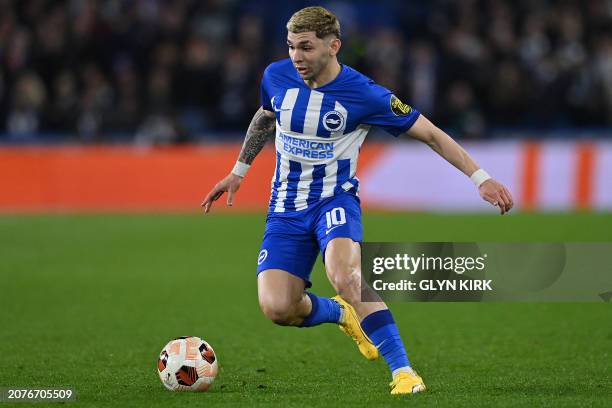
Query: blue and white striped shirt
<point x="319" y="131"/>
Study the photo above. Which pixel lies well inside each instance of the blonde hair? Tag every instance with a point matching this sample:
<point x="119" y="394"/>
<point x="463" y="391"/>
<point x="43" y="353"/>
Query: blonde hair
<point x="318" y="19"/>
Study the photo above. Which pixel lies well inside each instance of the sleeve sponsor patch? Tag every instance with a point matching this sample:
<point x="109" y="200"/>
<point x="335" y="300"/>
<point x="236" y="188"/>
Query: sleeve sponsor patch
<point x="399" y="108"/>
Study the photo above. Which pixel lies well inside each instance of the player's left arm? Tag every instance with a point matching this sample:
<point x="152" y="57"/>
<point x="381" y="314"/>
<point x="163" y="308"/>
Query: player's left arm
<point x="490" y="189"/>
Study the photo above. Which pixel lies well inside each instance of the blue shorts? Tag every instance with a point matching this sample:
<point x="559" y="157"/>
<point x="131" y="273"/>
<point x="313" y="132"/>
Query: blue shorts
<point x="293" y="240"/>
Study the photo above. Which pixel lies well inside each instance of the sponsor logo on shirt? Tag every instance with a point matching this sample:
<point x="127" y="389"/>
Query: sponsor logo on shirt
<point x="307" y="148"/>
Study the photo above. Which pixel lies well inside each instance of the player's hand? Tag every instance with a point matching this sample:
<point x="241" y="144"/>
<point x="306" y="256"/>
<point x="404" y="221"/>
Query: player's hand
<point x="230" y="184"/>
<point x="495" y="193"/>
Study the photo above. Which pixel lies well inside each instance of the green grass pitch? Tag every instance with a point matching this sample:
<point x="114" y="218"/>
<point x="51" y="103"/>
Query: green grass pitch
<point x="89" y="301"/>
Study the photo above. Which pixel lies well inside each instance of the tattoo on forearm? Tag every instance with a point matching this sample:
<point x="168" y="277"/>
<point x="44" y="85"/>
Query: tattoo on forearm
<point x="260" y="130"/>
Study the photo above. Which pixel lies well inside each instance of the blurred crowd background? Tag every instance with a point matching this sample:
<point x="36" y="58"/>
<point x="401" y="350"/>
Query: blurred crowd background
<point x="155" y="71"/>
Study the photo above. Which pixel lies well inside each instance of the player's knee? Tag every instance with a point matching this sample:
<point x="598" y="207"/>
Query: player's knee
<point x="279" y="311"/>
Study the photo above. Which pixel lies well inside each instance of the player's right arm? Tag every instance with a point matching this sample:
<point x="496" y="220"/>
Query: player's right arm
<point x="490" y="190"/>
<point x="261" y="129"/>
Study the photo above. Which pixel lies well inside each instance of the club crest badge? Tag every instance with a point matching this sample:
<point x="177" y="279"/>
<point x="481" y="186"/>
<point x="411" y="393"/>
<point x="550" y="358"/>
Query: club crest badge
<point x="334" y="121"/>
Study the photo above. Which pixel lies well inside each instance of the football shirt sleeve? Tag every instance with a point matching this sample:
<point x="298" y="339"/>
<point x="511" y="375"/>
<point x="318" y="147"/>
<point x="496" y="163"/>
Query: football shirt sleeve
<point x="387" y="112"/>
<point x="265" y="95"/>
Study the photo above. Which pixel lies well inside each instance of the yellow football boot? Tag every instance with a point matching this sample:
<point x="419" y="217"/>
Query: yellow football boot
<point x="351" y="327"/>
<point x="407" y="383"/>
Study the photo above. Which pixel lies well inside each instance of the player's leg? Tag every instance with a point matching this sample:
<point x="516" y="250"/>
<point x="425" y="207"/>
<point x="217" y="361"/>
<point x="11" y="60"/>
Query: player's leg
<point x="288" y="253"/>
<point x="283" y="300"/>
<point x="281" y="297"/>
<point x="340" y="216"/>
<point x="343" y="266"/>
<point x="368" y="323"/>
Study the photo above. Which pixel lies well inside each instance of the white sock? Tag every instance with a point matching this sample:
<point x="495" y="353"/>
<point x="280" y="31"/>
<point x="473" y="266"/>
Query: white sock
<point x="406" y="369"/>
<point x="342" y="314"/>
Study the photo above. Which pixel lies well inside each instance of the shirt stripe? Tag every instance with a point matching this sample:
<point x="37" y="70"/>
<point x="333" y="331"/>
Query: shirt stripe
<point x="299" y="111"/>
<point x="295" y="170"/>
<point x="316" y="186"/>
<point x="344" y="167"/>
<point x="276" y="182"/>
<point x="287" y="106"/>
<point x="282" y="188"/>
<point x="303" y="186"/>
<point x="329" y="182"/>
<point x="313" y="112"/>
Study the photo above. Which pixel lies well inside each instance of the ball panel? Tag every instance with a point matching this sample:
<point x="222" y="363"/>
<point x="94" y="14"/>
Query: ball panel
<point x="162" y="361"/>
<point x="207" y="352"/>
<point x="186" y="375"/>
<point x="205" y="369"/>
<point x="191" y="346"/>
<point x="174" y="347"/>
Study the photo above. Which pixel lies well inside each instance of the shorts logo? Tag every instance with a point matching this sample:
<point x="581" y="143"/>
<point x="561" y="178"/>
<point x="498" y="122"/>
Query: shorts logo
<point x="333" y="121"/>
<point x="327" y="231"/>
<point x="399" y="108"/>
<point x="262" y="256"/>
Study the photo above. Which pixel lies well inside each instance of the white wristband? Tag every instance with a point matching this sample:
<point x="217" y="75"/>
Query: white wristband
<point x="240" y="169"/>
<point x="479" y="177"/>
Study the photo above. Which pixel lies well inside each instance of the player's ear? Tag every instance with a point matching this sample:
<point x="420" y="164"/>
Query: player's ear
<point x="334" y="45"/>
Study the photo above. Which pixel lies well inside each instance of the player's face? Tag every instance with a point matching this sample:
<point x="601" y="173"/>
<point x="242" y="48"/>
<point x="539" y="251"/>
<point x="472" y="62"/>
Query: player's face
<point x="310" y="54"/>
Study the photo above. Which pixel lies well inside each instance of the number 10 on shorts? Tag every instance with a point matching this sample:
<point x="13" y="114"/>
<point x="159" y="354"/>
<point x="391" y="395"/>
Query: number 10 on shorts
<point x="335" y="217"/>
